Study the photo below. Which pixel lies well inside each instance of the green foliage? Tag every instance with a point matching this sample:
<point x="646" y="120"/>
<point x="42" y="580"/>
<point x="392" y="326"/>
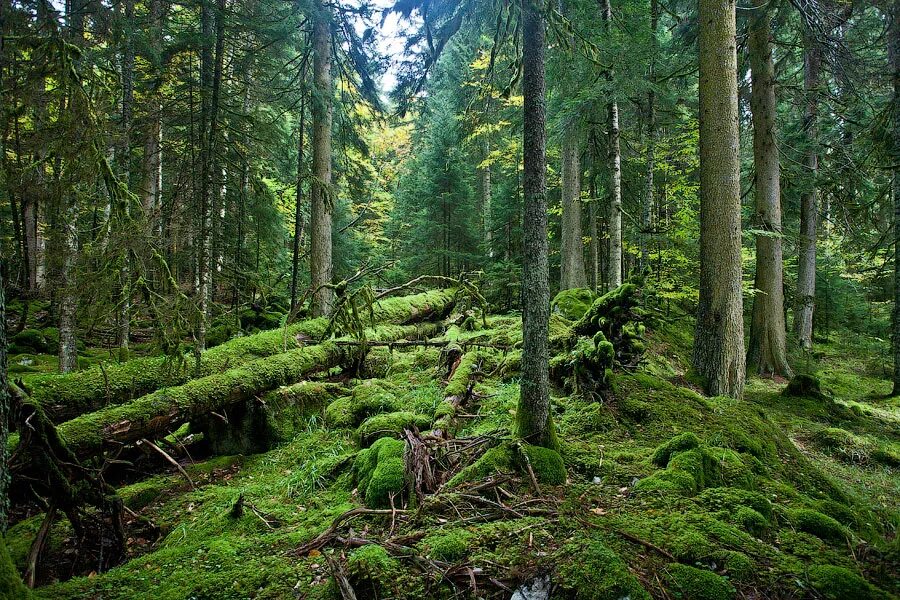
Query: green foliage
<point x="448" y="545"/>
<point x="390" y="424"/>
<point x="839" y="583"/>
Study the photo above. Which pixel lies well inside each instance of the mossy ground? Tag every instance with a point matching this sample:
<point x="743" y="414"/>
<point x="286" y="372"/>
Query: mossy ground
<point x="666" y="493"/>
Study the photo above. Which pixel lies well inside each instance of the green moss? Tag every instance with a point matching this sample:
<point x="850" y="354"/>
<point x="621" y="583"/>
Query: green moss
<point x="592" y="571"/>
<point x="804" y="384"/>
<point x="683" y="441"/>
<point x="750" y="520"/>
<point x="819" y="525"/>
<point x="389" y="424"/>
<point x="690" y="583"/>
<point x="11" y="586"/>
<point x="690" y="471"/>
<point x="371" y="561"/>
<point x="839" y="583"/>
<point x="499" y="459"/>
<point x="369" y="398"/>
<point x="450" y="545"/>
<point x="380" y="471"/>
<point x="691" y="546"/>
<point x="727" y="498"/>
<point x="547" y="464"/>
<point x="573" y="303"/>
<point x="737" y="565"/>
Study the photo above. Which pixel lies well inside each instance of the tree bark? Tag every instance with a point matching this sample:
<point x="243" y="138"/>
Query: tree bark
<point x="647" y="207"/>
<point x="123" y="316"/>
<point x="321" y="203"/>
<point x="614" y="157"/>
<point x="806" y="267"/>
<point x="572" y="247"/>
<point x="719" y="341"/>
<point x="203" y="245"/>
<point x="768" y="336"/>
<point x="298" y="206"/>
<point x="4" y="419"/>
<point x="486" y="198"/>
<point x="533" y="415"/>
<point x="894" y="65"/>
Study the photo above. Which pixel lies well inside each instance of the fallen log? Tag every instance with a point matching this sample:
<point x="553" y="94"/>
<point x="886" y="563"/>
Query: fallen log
<point x="163" y="411"/>
<point x="64" y="397"/>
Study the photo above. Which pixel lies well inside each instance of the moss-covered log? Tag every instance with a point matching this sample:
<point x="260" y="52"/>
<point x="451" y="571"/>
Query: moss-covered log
<point x="64" y="397"/>
<point x="458" y="390"/>
<point x="162" y="411"/>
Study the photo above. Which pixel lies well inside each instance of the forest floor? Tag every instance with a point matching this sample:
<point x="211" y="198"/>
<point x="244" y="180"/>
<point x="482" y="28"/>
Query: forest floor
<point x="667" y="493"/>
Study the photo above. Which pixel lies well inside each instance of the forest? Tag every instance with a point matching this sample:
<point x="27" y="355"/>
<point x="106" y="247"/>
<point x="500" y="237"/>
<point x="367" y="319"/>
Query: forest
<point x="372" y="299"/>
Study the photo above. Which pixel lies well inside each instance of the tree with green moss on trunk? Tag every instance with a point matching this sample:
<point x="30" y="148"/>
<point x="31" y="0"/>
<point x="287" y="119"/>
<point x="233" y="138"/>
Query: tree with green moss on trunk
<point x="533" y="415"/>
<point x="719" y="340"/>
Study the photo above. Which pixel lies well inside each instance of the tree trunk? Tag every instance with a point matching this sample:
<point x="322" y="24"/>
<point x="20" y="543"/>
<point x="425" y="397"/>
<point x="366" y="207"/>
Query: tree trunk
<point x="203" y="245"/>
<point x="768" y="336"/>
<point x="533" y="416"/>
<point x="123" y="316"/>
<point x="593" y="217"/>
<point x="572" y="247"/>
<point x="164" y="410"/>
<point x="321" y="203"/>
<point x="614" y="157"/>
<point x="647" y="207"/>
<point x="4" y="420"/>
<point x="298" y="207"/>
<point x="806" y="266"/>
<point x="719" y="340"/>
<point x="152" y="160"/>
<point x="486" y="197"/>
<point x="65" y="397"/>
<point x="894" y="60"/>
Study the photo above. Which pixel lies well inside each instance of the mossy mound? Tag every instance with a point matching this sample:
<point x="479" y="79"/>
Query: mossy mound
<point x="448" y="545"/>
<point x="679" y="443"/>
<point x="592" y="571"/>
<point x="839" y="583"/>
<point x="369" y="398"/>
<point x="35" y="341"/>
<point x="804" y="384"/>
<point x="380" y="472"/>
<point x="546" y="463"/>
<point x="390" y="424"/>
<point x="691" y="471"/>
<point x="818" y="524"/>
<point x="690" y="583"/>
<point x="573" y="303"/>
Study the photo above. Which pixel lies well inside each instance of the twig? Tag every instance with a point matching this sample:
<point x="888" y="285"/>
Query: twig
<point x="323" y="538"/>
<point x="340" y="577"/>
<point x="171" y="461"/>
<point x="534" y="481"/>
<point x="37" y="546"/>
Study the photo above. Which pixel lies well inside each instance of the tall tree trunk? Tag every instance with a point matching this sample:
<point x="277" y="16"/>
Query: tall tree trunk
<point x="152" y="160"/>
<point x="614" y="157"/>
<point x="719" y="340"/>
<point x="321" y="203"/>
<point x="533" y="415"/>
<point x="593" y="217"/>
<point x="806" y="267"/>
<point x="203" y="242"/>
<point x="486" y="198"/>
<point x="4" y="420"/>
<point x="572" y="247"/>
<point x="768" y="336"/>
<point x="298" y="208"/>
<point x="647" y="207"/>
<point x="123" y="315"/>
<point x="894" y="60"/>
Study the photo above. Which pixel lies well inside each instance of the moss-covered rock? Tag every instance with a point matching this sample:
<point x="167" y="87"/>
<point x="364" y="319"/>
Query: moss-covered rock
<point x="369" y="398"/>
<point x="690" y="583"/>
<point x="573" y="303"/>
<point x="679" y="443"/>
<point x="450" y="545"/>
<point x="389" y="424"/>
<point x="690" y="471"/>
<point x="804" y="384"/>
<point x="592" y="571"/>
<point x="818" y="524"/>
<point x="496" y="460"/>
<point x="381" y="472"/>
<point x="839" y="583"/>
<point x="727" y="498"/>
